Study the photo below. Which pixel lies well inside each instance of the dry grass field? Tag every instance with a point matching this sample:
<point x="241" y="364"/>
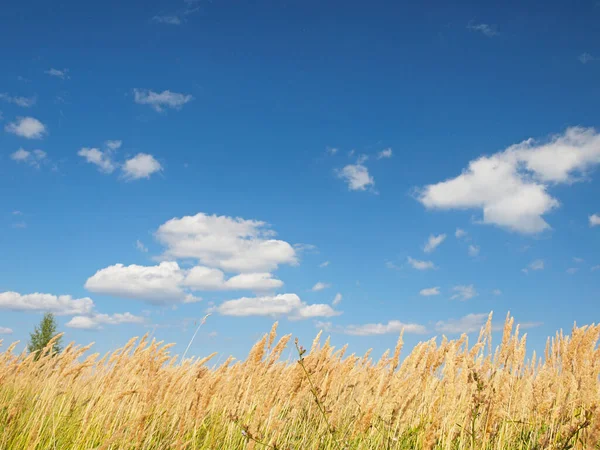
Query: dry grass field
<point x="449" y="394"/>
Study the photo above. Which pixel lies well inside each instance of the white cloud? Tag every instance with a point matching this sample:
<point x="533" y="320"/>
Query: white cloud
<point x="324" y="264"/>
<point x="387" y="153"/>
<point x="34" y="158"/>
<point x="484" y="28"/>
<point x="113" y="145"/>
<point x="337" y="299"/>
<point x="95" y="321"/>
<point x="375" y="329"/>
<point x="4" y="330"/>
<point x="594" y="268"/>
<point x="511" y="186"/>
<point x="282" y="304"/>
<point x="577" y="260"/>
<point x="253" y="282"/>
<point x="594" y="220"/>
<point x="430" y="291"/>
<point x="464" y="292"/>
<point x="538" y="264"/>
<point x="63" y="74"/>
<point x="319" y="286"/>
<point x="232" y="244"/>
<point x="433" y="242"/>
<point x="357" y="176"/>
<point x="585" y="58"/>
<point x="140" y="246"/>
<point x="24" y="102"/>
<point x="467" y="324"/>
<point x="161" y="100"/>
<point x="155" y="284"/>
<point x="392" y="266"/>
<point x="168" y="19"/>
<point x="141" y="165"/>
<point x="497" y="292"/>
<point x="474" y="250"/>
<point x="420" y="265"/>
<point x="27" y="127"/>
<point x="460" y="233"/>
<point x="102" y="159"/>
<point x="331" y="150"/>
<point x="572" y="270"/>
<point x="37" y="302"/>
<point x="167" y="282"/>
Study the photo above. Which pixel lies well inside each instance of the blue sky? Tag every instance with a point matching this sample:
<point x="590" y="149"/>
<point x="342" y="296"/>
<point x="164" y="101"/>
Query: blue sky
<point x="348" y="166"/>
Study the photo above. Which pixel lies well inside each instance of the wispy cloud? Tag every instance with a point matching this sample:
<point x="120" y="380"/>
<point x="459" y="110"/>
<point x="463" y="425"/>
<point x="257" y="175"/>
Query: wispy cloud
<point x="430" y="291"/>
<point x="25" y="102"/>
<point x="572" y="270"/>
<point x="324" y="264"/>
<point x="464" y="292"/>
<point x="474" y="250"/>
<point x="374" y="329"/>
<point x="433" y="242"/>
<point x="5" y="330"/>
<point x="320" y="286"/>
<point x="337" y="299"/>
<point x="386" y="153"/>
<point x="161" y="100"/>
<point x="58" y="73"/>
<point x="484" y="28"/>
<point x="585" y="58"/>
<point x="140" y="246"/>
<point x="420" y="265"/>
<point x="167" y="19"/>
<point x="538" y="264"/>
<point x="34" y="158"/>
<point x="460" y="233"/>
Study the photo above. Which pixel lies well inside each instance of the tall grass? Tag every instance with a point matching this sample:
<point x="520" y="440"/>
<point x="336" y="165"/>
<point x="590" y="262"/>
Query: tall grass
<point x="445" y="395"/>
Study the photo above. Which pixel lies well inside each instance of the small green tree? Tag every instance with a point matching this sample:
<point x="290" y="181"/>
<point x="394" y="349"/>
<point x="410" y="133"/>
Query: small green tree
<point x="42" y="334"/>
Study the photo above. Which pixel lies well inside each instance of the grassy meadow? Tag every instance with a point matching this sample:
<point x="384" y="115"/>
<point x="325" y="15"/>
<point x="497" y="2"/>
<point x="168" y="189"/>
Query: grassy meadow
<point x="445" y="394"/>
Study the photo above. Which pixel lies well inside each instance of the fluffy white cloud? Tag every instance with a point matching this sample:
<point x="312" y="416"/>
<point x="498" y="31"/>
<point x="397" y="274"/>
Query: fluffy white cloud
<point x="460" y="233"/>
<point x="483" y="28"/>
<point x="511" y="186"/>
<point x="141" y="165"/>
<point x="95" y="321"/>
<point x="102" y="159"/>
<point x="232" y="244"/>
<point x="356" y="176"/>
<point x="4" y="330"/>
<point x="167" y="282"/>
<point x="467" y="324"/>
<point x="253" y="281"/>
<point x="337" y="299"/>
<point x="27" y="127"/>
<point x="430" y="291"/>
<point x="33" y="158"/>
<point x="319" y="286"/>
<point x="282" y="304"/>
<point x="464" y="292"/>
<point x="37" y="302"/>
<point x="161" y="100"/>
<point x="474" y="250"/>
<point x="387" y="153"/>
<point x="24" y="102"/>
<point x="370" y="329"/>
<point x="594" y="220"/>
<point x="433" y="242"/>
<point x="155" y="284"/>
<point x="62" y="74"/>
<point x="420" y="265"/>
